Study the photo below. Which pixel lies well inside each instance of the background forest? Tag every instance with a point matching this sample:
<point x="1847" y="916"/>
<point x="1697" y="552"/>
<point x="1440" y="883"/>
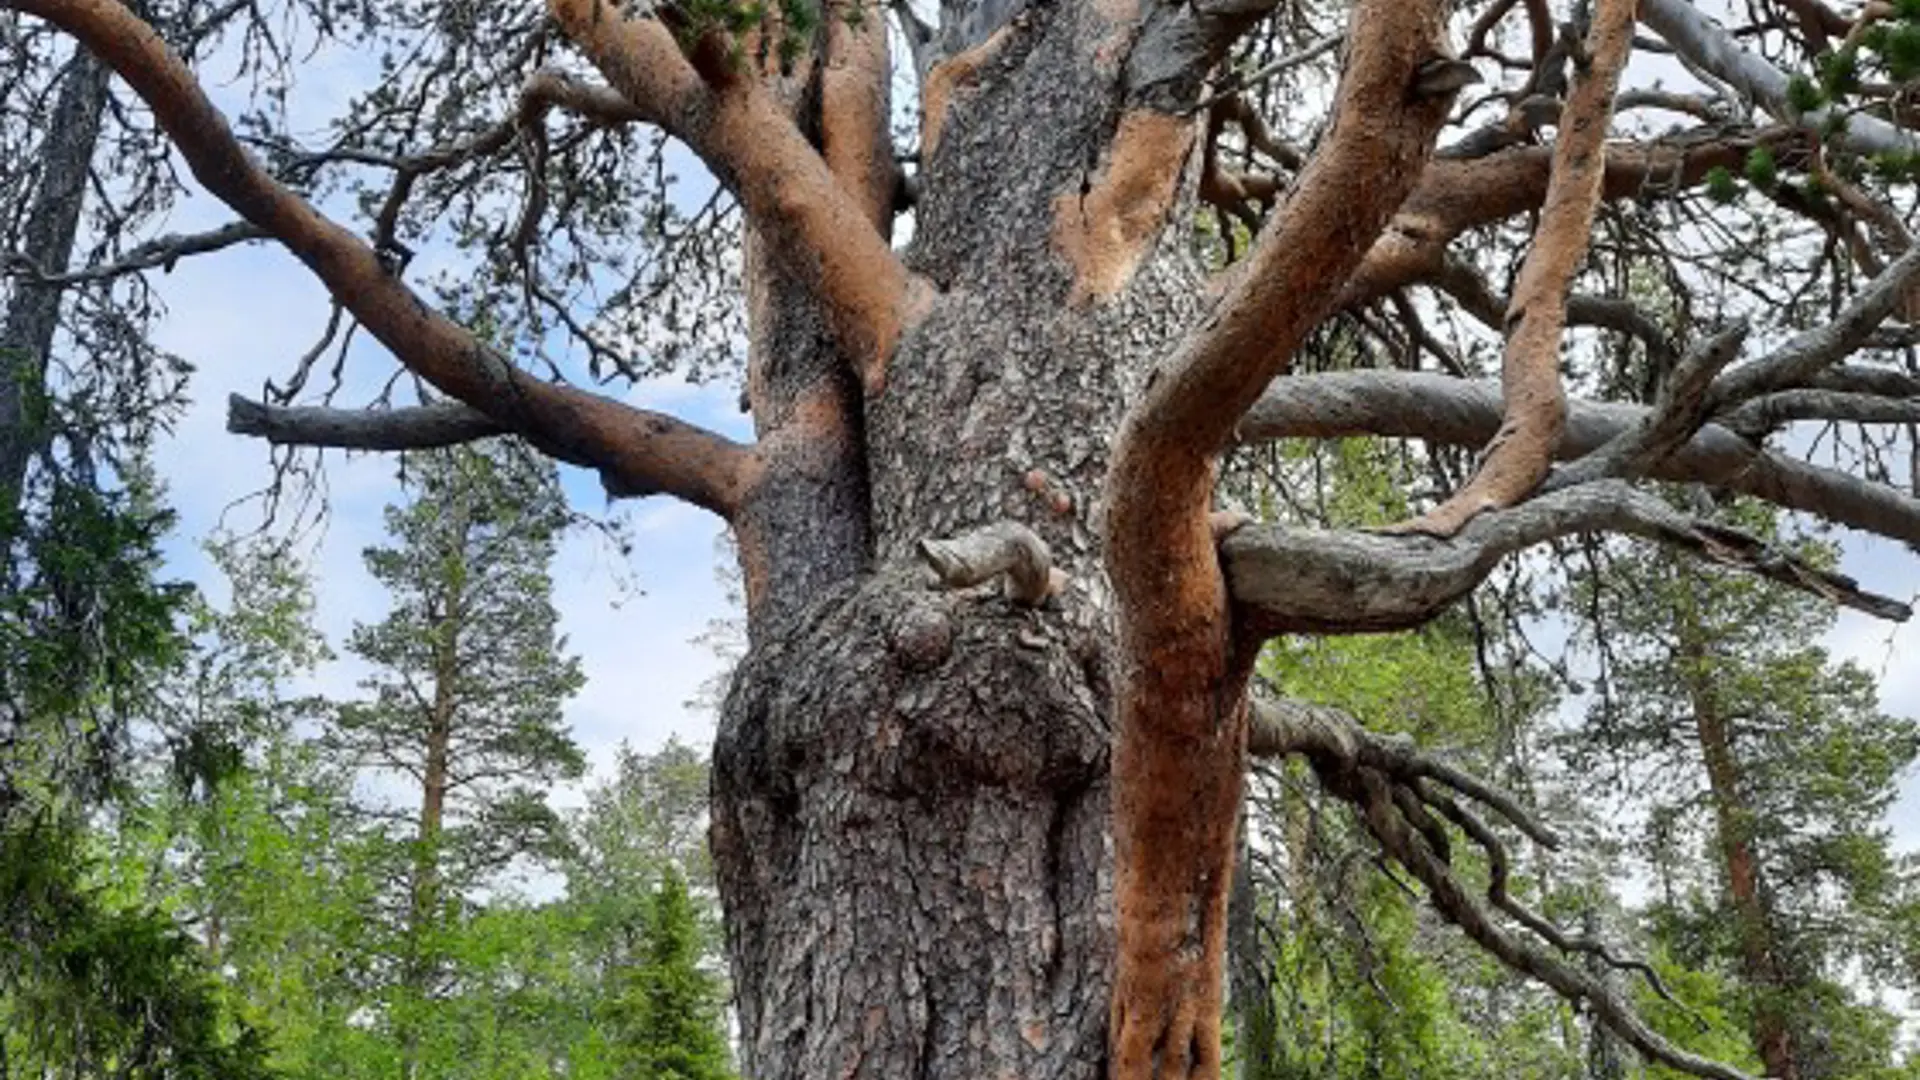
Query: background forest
<point x="303" y="786"/>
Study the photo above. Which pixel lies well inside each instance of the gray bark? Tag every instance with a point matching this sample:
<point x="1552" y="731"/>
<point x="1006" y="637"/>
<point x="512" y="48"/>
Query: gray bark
<point x="1460" y="412"/>
<point x="33" y="315"/>
<point x="1706" y="44"/>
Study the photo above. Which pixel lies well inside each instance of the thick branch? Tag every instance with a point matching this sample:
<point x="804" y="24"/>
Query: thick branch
<point x="1329" y="582"/>
<point x="1179" y="756"/>
<point x="635" y="451"/>
<point x="1520" y="454"/>
<point x="1702" y="40"/>
<point x="744" y="136"/>
<point x="1460" y="412"/>
<point x="1455" y="195"/>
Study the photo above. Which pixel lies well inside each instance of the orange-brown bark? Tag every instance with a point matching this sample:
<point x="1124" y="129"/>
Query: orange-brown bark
<point x="853" y="112"/>
<point x="1733" y="826"/>
<point x="1182" y="720"/>
<point x="744" y="136"/>
<point x="944" y="78"/>
<point x="1536" y="404"/>
<point x="636" y="451"/>
<point x="1457" y="195"/>
<point x="1103" y="232"/>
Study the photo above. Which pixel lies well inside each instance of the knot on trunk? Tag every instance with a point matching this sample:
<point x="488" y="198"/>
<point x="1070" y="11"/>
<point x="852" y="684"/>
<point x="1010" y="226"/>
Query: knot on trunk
<point x="1005" y="549"/>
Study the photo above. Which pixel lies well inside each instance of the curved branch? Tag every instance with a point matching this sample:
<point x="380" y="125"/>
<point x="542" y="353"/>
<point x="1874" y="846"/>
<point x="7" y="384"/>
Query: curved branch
<point x="1703" y="41"/>
<point x="1459" y="412"/>
<point x="1340" y="582"/>
<point x="1180" y="749"/>
<point x="1519" y="455"/>
<point x="746" y="139"/>
<point x="1455" y="195"/>
<point x="635" y="451"/>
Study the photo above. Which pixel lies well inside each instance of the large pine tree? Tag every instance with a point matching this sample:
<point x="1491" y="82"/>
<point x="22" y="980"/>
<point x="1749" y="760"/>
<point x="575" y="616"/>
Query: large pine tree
<point x="962" y="833"/>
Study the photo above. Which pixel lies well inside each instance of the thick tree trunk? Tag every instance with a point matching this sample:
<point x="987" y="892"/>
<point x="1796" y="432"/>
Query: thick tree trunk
<point x="911" y="797"/>
<point x="1759" y="949"/>
<point x="33" y="315"/>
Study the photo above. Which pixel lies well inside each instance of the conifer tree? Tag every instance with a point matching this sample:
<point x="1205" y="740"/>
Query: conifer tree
<point x="466" y="696"/>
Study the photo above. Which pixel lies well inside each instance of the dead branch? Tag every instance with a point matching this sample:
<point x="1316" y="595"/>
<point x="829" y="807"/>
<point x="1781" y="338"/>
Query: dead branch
<point x="1385" y="817"/>
<point x="1282" y="726"/>
<point x="1810" y="351"/>
<point x="162" y="252"/>
<point x="1680" y="409"/>
<point x="422" y="427"/>
<point x="786" y="187"/>
<point x="1704" y="42"/>
<point x="1518" y="457"/>
<point x="1459" y="412"/>
<point x="1339" y="747"/>
<point x="1289" y="580"/>
<point x="1005" y="549"/>
<point x="635" y="451"/>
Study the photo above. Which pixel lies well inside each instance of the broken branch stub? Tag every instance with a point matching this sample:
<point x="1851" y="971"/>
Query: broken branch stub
<point x="1004" y="548"/>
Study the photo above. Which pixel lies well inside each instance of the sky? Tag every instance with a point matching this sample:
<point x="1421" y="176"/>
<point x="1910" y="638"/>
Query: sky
<point x="243" y="316"/>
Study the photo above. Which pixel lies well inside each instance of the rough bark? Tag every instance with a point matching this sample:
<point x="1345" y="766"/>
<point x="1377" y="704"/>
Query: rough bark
<point x="1733" y="831"/>
<point x="912" y="775"/>
<point x="33" y="315"/>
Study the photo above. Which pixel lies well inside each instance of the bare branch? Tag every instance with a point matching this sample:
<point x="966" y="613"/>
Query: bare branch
<point x="423" y="427"/>
<point x="1291" y="580"/>
<point x="1679" y="410"/>
<point x="1460" y="412"/>
<point x="1384" y="818"/>
<point x="1518" y="457"/>
<point x="163" y="252"/>
<point x="1387" y="780"/>
<point x="1799" y="360"/>
<point x="635" y="451"/>
<point x="1004" y="548"/>
<point x="1703" y="41"/>
<point x="1282" y="726"/>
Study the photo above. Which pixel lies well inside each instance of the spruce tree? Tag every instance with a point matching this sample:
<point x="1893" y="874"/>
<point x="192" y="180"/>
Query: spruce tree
<point x="668" y="1013"/>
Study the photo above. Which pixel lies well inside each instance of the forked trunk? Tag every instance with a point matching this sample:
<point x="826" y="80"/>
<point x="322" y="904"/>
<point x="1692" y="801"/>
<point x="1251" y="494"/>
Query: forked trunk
<point x="911" y="785"/>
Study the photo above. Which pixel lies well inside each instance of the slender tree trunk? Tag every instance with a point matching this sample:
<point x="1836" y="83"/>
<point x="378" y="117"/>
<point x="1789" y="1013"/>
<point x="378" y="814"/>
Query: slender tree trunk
<point x="1759" y="955"/>
<point x="1256" y="1027"/>
<point x="436" y="761"/>
<point x="33" y="316"/>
